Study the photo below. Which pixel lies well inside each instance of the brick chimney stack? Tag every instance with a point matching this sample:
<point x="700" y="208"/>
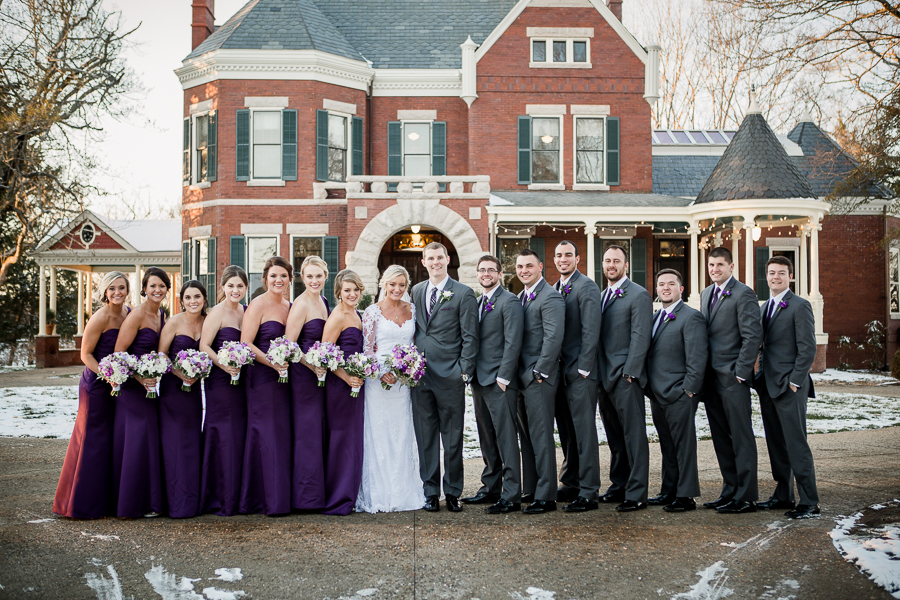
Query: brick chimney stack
<point x="204" y="23"/>
<point x="614" y="5"/>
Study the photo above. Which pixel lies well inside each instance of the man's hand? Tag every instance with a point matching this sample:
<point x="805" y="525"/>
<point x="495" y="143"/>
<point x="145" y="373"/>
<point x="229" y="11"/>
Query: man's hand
<point x="794" y="388"/>
<point x="502" y="386"/>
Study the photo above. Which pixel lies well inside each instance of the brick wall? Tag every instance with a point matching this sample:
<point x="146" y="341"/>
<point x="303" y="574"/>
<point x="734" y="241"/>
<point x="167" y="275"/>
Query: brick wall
<point x="102" y="240"/>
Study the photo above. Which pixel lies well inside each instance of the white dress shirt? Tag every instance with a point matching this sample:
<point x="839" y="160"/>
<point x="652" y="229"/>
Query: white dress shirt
<point x="665" y="311"/>
<point x="486" y="297"/>
<point x="525" y="293"/>
<point x="774" y="302"/>
<point x="440" y="288"/>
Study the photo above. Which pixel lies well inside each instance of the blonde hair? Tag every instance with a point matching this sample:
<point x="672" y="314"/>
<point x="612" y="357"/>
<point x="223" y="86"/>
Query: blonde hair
<point x="315" y="261"/>
<point x="106" y="281"/>
<point x="347" y="275"/>
<point x="391" y="273"/>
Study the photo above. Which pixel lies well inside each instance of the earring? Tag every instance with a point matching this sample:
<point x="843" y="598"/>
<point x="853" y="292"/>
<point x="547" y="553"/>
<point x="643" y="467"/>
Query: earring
<point x="143" y="294"/>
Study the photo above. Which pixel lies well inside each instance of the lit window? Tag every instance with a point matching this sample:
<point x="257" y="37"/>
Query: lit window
<point x="267" y="144"/>
<point x="417" y="149"/>
<point x="259" y="250"/>
<point x="337" y="147"/>
<point x="589" y="148"/>
<point x="545" y="147"/>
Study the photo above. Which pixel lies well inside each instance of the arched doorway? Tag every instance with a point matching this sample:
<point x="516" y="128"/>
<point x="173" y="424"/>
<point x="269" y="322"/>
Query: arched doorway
<point x="405" y="248"/>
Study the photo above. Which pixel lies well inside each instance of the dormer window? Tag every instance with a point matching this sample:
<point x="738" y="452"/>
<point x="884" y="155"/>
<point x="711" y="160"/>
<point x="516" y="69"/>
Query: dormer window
<point x="560" y="47"/>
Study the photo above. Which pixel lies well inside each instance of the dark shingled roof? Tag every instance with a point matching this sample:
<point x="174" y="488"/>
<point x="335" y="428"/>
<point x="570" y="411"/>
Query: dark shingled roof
<point x="590" y="199"/>
<point x="755" y="166"/>
<point x="682" y="175"/>
<point x="408" y="34"/>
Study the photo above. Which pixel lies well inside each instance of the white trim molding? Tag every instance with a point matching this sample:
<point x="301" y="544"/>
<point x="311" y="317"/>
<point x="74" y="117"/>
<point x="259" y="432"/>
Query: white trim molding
<point x="261" y="202"/>
<point x="337" y="106"/>
<point x="200" y="231"/>
<point x="417" y="82"/>
<point x="541" y="110"/>
<point x="589" y="110"/>
<point x="565" y="32"/>
<point x="417" y="115"/>
<point x="261" y="228"/>
<point x="266" y="101"/>
<point x="201" y="107"/>
<point x="307" y="229"/>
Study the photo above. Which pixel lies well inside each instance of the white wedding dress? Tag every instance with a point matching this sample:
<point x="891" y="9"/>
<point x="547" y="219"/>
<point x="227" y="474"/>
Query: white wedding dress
<point x="390" y="470"/>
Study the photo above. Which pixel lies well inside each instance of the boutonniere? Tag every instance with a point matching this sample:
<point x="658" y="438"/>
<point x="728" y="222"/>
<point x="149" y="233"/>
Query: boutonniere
<point x="782" y="304"/>
<point x="618" y="293"/>
<point x="445" y="295"/>
<point x="489" y="306"/>
<point x="567" y="289"/>
<point x="726" y="294"/>
<point x="669" y="317"/>
<point x="530" y="296"/>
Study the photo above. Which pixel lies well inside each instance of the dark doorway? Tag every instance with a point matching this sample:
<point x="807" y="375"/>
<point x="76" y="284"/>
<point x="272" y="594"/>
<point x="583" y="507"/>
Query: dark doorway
<point x="404" y="248"/>
<point x="671" y="254"/>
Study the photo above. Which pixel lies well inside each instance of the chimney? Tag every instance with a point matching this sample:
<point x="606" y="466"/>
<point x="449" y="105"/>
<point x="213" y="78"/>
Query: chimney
<point x="204" y="23"/>
<point x="614" y="5"/>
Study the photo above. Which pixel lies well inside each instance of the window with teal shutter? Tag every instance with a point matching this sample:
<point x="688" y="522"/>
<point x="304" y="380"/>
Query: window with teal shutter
<point x="598" y="262"/>
<point x="289" y="144"/>
<point x="395" y="151"/>
<point x="612" y="151"/>
<point x="212" y="148"/>
<point x="439" y="151"/>
<point x="186" y="159"/>
<point x="211" y="283"/>
<point x="524" y="151"/>
<point x="242" y="148"/>
<point x="238" y="251"/>
<point x="639" y="262"/>
<point x="331" y="257"/>
<point x="357" y="165"/>
<point x="762" y="284"/>
<point x="185" y="261"/>
<point x="321" y="145"/>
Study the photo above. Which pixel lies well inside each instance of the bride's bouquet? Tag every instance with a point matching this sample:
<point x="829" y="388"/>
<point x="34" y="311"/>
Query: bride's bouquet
<point x="235" y="355"/>
<point x="362" y="366"/>
<point x="194" y="364"/>
<point x="324" y="355"/>
<point x="281" y="352"/>
<point x="115" y="369"/>
<point x="407" y="365"/>
<point x="152" y="365"/>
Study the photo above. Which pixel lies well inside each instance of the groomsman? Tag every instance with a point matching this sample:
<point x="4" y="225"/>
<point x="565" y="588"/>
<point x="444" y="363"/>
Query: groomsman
<point x="447" y="333"/>
<point x="494" y="390"/>
<point x="675" y="366"/>
<point x="732" y="316"/>
<point x="784" y="384"/>
<point x="625" y="340"/>
<point x="545" y="314"/>
<point x="576" y="399"/>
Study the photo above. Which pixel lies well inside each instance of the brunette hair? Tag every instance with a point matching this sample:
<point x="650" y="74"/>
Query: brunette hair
<point x="721" y="252"/>
<point x="193" y="283"/>
<point x="155" y="272"/>
<point x="106" y="281"/>
<point x="435" y="246"/>
<point x="619" y="248"/>
<point x="276" y="261"/>
<point x="490" y="258"/>
<point x="315" y="261"/>
<point x="347" y="275"/>
<point x="229" y="272"/>
<point x="670" y="272"/>
<point x="530" y="252"/>
<point x="565" y="242"/>
<point x="781" y="260"/>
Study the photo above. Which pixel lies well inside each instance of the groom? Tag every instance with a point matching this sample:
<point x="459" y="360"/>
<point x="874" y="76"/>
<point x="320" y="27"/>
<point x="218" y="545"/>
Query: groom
<point x="447" y="335"/>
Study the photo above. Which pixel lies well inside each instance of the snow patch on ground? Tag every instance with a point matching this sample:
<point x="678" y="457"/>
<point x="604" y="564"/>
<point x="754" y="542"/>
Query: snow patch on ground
<point x="216" y="594"/>
<point x="41" y="520"/>
<point x="534" y="593"/>
<point x="106" y="589"/>
<point x="711" y="585"/>
<point x="875" y="551"/>
<point x="229" y="574"/>
<point x="360" y="594"/>
<point x="783" y="590"/>
<point x="38" y="411"/>
<point x="97" y="536"/>
<point x="867" y="377"/>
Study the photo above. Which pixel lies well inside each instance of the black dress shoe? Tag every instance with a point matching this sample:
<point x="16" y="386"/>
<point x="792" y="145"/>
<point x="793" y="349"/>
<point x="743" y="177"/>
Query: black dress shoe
<point x="681" y="505"/>
<point x="481" y="498"/>
<point x="661" y="500"/>
<point x="772" y="503"/>
<point x="503" y="507"/>
<point x="631" y="506"/>
<point x="539" y="506"/>
<point x="567" y="493"/>
<point x="804" y="511"/>
<point x="431" y="504"/>
<point x="737" y="508"/>
<point x="527" y="498"/>
<point x="580" y="505"/>
<point x="453" y="504"/>
<point x="611" y="497"/>
<point x="720" y="501"/>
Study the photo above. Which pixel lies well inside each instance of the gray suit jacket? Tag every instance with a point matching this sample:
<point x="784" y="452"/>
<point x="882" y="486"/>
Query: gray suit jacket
<point x="581" y="340"/>
<point x="734" y="332"/>
<point x="449" y="339"/>
<point x="545" y="317"/>
<point x="625" y="336"/>
<point x="788" y="346"/>
<point x="676" y="362"/>
<point x="500" y="340"/>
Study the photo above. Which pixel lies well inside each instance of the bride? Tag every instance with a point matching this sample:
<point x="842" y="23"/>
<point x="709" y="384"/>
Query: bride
<point x="390" y="474"/>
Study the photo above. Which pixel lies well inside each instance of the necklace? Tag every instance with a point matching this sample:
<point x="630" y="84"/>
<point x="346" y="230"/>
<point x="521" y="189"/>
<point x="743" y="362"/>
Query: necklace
<point x="396" y="315"/>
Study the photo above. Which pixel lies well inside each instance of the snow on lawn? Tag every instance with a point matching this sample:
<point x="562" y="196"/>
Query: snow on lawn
<point x="859" y="377"/>
<point x="875" y="551"/>
<point x="38" y="411"/>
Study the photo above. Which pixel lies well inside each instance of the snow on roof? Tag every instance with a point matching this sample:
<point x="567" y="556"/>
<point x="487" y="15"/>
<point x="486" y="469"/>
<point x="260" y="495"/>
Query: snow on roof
<point x="157" y="235"/>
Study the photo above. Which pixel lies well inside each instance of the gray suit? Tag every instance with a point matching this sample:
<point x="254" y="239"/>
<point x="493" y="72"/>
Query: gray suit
<point x="449" y="340"/>
<point x="576" y="399"/>
<point x="734" y="337"/>
<point x="788" y="352"/>
<point x="624" y="343"/>
<point x="676" y="365"/>
<point x="541" y="343"/>
<point x="499" y="342"/>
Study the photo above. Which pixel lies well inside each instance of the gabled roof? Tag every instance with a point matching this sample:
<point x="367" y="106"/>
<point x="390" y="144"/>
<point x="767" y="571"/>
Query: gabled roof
<point x="148" y="235"/>
<point x="755" y="166"/>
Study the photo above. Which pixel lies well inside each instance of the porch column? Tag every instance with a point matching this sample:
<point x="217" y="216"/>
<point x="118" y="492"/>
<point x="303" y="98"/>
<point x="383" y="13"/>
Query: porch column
<point x="735" y="238"/>
<point x="748" y="257"/>
<point x="136" y="295"/>
<point x="53" y="288"/>
<point x="89" y="294"/>
<point x="174" y="307"/>
<point x="694" y="299"/>
<point x="701" y="275"/>
<point x="591" y="232"/>
<point x="42" y="307"/>
<point x="803" y="268"/>
<point x="79" y="305"/>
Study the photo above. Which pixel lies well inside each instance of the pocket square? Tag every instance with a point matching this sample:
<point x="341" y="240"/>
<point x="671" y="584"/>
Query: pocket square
<point x="449" y="308"/>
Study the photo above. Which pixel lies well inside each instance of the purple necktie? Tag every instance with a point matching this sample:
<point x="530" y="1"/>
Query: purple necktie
<point x="609" y="294"/>
<point x="715" y="299"/>
<point x="771" y="310"/>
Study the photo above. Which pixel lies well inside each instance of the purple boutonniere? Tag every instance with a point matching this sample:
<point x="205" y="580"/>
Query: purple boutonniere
<point x="567" y="289"/>
<point x="618" y="293"/>
<point x="489" y="306"/>
<point x="782" y="304"/>
<point x="726" y="293"/>
<point x="669" y="317"/>
<point x="530" y="296"/>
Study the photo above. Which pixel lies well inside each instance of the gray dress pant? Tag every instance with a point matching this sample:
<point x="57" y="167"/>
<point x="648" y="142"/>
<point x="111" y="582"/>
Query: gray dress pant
<point x="731" y="426"/>
<point x="678" y="443"/>
<point x="495" y="415"/>
<point x="536" y="406"/>
<point x="438" y="416"/>
<point x="624" y="420"/>
<point x="581" y="405"/>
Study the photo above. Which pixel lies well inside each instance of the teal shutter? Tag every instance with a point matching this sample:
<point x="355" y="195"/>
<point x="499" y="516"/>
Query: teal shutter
<point x="242" y="149"/>
<point x="358" y="164"/>
<point x="185" y="261"/>
<point x="212" y="148"/>
<point x="237" y="251"/>
<point x="639" y="262"/>
<point x="321" y="145"/>
<point x="537" y="244"/>
<point x="598" y="262"/>
<point x="762" y="284"/>
<point x="612" y="150"/>
<point x="289" y="144"/>
<point x="524" y="150"/>
<point x="186" y="148"/>
<point x="211" y="260"/>
<point x="439" y="151"/>
<point x="330" y="254"/>
<point x="395" y="151"/>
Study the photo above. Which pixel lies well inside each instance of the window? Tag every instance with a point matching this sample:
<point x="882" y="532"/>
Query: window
<point x="545" y="150"/>
<point x="337" y="147"/>
<point x="199" y="262"/>
<point x="303" y="247"/>
<point x="259" y="250"/>
<point x="199" y="149"/>
<point x="596" y="152"/>
<point x="509" y="249"/>
<point x="202" y="141"/>
<point x="568" y="53"/>
<point x="894" y="297"/>
<point x="417" y="148"/>
<point x="266" y="148"/>
<point x="266" y="145"/>
<point x="762" y="256"/>
<point x="589" y="150"/>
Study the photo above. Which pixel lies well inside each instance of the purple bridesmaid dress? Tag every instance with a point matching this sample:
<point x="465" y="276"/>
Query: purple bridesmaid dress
<point x="224" y="435"/>
<point x="344" y="424"/>
<point x="85" y="482"/>
<point x="180" y="420"/>
<point x="137" y="465"/>
<point x="308" y="484"/>
<point x="266" y="477"/>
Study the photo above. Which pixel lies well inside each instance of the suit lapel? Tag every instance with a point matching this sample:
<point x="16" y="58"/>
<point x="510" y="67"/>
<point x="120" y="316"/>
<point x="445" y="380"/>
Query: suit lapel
<point x="723" y="297"/>
<point x="786" y="299"/>
<point x="624" y="288"/>
<point x="704" y="302"/>
<point x="665" y="322"/>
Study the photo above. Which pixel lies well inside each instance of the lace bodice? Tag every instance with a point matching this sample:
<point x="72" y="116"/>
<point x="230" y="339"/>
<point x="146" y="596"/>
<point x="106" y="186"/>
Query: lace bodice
<point x="381" y="334"/>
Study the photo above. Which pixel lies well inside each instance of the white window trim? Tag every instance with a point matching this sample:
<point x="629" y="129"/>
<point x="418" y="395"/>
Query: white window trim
<point x="257" y="236"/>
<point x="194" y="256"/>
<point x="602" y="187"/>
<point x="548" y="53"/>
<point x="403" y="123"/>
<point x="349" y="150"/>
<point x="600" y="241"/>
<point x="893" y="250"/>
<point x="195" y="184"/>
<point x="797" y="280"/>
<point x="269" y="181"/>
<point x="561" y="184"/>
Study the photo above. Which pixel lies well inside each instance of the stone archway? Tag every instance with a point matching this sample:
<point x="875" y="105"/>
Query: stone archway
<point x="429" y="213"/>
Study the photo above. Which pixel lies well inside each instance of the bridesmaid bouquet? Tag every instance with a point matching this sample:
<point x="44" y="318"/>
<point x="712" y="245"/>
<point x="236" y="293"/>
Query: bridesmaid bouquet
<point x="325" y="355"/>
<point x="407" y="365"/>
<point x="235" y="355"/>
<point x="152" y="364"/>
<point x="360" y="365"/>
<point x="194" y="364"/>
<point x="115" y="369"/>
<point x="281" y="352"/>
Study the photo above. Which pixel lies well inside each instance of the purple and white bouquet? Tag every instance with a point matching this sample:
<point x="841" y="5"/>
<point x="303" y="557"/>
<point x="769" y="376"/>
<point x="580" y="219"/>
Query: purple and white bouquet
<point x="152" y="365"/>
<point x="115" y="369"/>
<point x="235" y="355"/>
<point x="362" y="366"/>
<point x="407" y="365"/>
<point x="283" y="351"/>
<point x="324" y="355"/>
<point x="194" y="364"/>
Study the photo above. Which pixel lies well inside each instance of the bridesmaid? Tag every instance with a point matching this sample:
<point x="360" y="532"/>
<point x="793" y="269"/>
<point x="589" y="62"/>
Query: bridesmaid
<point x="305" y="324"/>
<point x="137" y="467"/>
<point x="85" y="484"/>
<point x="180" y="412"/>
<point x="225" y="430"/>
<point x="266" y="477"/>
<point x="344" y="413"/>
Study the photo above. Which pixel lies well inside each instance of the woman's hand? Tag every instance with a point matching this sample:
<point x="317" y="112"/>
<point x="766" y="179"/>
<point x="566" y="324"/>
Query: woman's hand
<point x="389" y="378"/>
<point x="232" y="370"/>
<point x="149" y="384"/>
<point x="319" y="371"/>
<point x="280" y="369"/>
<point x="355" y="382"/>
<point x="189" y="381"/>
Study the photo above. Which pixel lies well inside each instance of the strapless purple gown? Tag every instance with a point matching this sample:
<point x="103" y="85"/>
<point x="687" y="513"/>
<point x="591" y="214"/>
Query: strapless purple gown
<point x="180" y="420"/>
<point x="308" y="483"/>
<point x="137" y="464"/>
<point x="224" y="435"/>
<point x="344" y="434"/>
<point x="266" y="477"/>
<point x="85" y="483"/>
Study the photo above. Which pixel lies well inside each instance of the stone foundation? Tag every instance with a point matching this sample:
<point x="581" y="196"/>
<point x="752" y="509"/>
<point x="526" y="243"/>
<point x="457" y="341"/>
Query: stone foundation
<point x="47" y="353"/>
